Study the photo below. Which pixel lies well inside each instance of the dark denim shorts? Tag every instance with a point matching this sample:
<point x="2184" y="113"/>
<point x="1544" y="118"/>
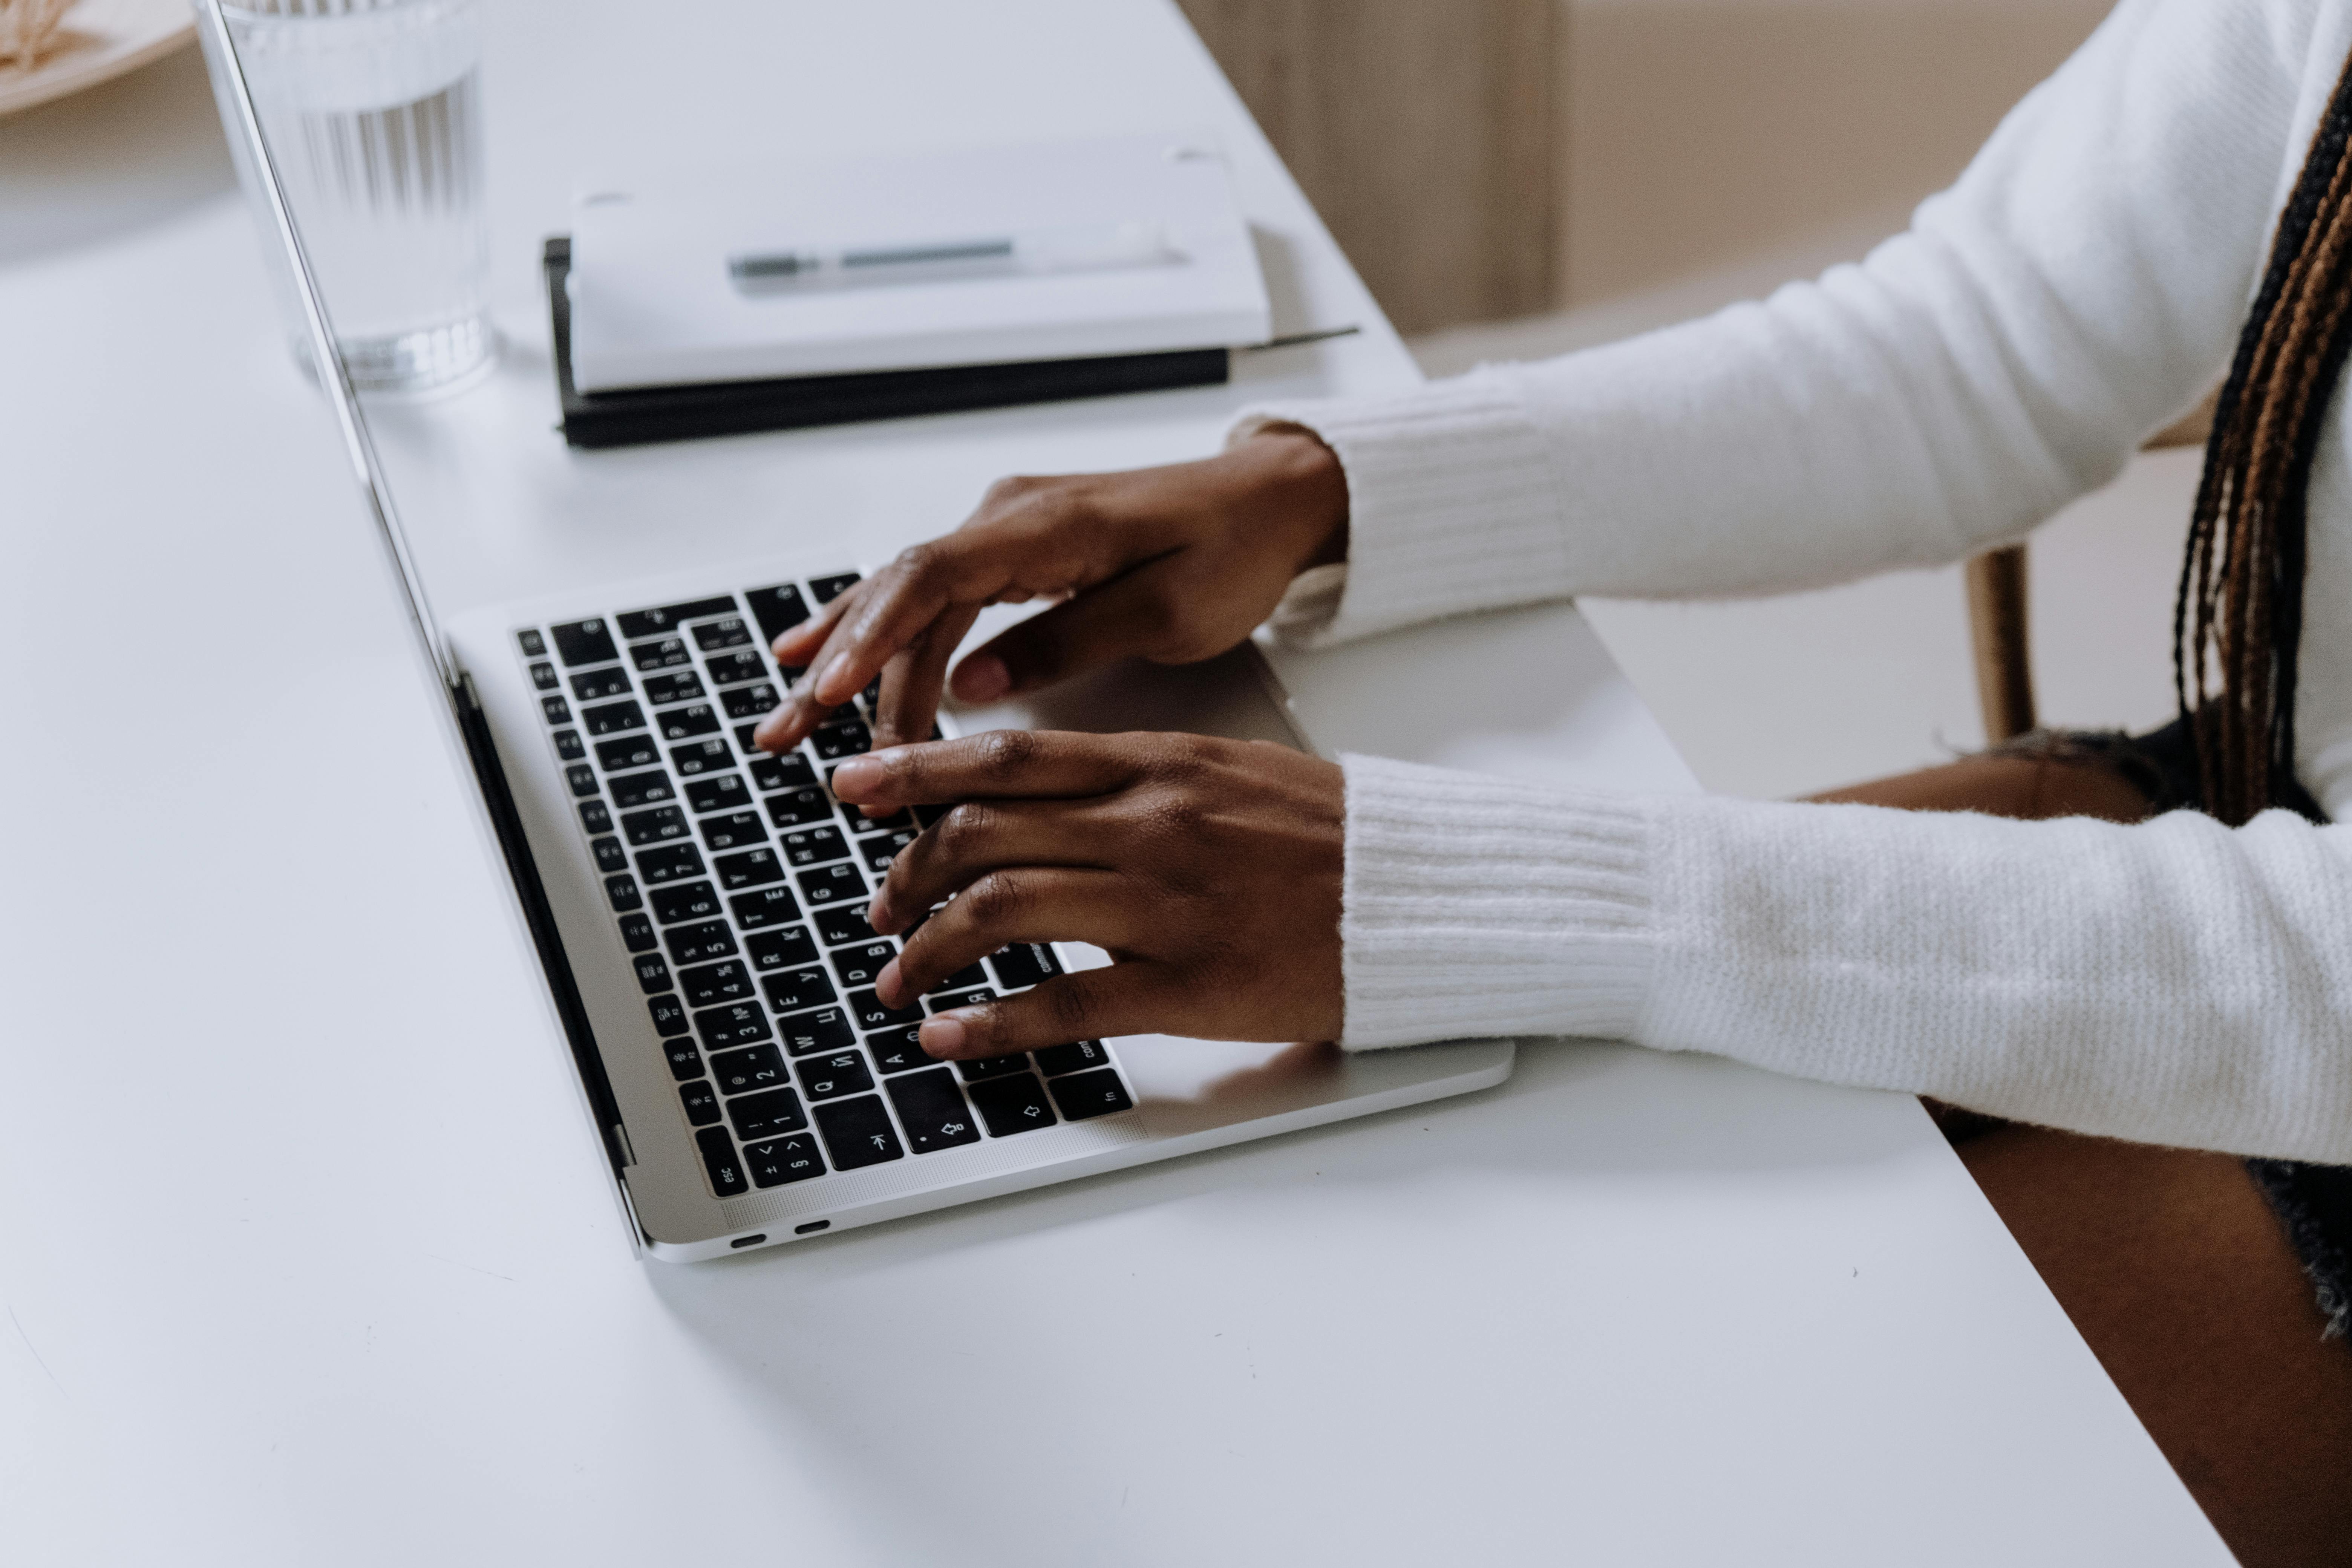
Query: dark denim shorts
<point x="2313" y="1202"/>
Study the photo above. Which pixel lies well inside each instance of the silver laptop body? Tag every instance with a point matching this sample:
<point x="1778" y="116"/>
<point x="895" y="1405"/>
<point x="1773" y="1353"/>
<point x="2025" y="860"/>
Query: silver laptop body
<point x="697" y="906"/>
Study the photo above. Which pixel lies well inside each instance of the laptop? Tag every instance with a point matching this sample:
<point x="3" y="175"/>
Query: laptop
<point x="697" y="905"/>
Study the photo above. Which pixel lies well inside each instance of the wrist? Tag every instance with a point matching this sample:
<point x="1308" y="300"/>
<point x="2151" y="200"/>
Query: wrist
<point x="1305" y="488"/>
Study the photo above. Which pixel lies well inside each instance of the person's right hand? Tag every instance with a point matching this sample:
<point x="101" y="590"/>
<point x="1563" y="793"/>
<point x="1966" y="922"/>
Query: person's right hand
<point x="1173" y="564"/>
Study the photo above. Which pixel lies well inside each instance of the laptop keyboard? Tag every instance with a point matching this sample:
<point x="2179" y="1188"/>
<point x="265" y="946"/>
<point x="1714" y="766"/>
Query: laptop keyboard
<point x="740" y="886"/>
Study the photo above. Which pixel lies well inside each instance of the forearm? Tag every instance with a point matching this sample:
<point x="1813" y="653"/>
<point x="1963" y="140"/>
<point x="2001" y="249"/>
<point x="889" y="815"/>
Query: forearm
<point x="2174" y="981"/>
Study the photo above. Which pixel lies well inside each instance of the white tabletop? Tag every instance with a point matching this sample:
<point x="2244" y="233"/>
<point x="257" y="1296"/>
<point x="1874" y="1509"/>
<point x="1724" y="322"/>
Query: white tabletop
<point x="310" y="1256"/>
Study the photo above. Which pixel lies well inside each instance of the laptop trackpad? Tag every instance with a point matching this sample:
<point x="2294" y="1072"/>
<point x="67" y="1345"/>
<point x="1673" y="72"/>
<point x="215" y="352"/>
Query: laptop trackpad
<point x="1230" y="695"/>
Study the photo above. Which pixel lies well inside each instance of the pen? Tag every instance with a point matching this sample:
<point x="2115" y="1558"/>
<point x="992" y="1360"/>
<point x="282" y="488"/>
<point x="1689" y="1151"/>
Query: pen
<point x="1082" y="248"/>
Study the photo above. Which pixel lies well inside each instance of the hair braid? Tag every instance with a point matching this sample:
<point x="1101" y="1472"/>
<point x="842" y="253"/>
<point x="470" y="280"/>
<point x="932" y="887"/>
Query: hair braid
<point x="2239" y="615"/>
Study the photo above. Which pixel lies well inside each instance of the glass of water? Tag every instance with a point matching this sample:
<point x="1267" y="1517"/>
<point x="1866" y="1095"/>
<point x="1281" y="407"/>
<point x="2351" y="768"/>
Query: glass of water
<point x="371" y="112"/>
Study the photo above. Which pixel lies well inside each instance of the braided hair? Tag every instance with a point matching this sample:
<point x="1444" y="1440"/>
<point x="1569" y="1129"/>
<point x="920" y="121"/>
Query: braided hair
<point x="2238" y="620"/>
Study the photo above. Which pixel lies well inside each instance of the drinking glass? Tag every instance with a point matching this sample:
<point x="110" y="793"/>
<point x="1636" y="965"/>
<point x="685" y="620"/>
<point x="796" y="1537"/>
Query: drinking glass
<point x="370" y="109"/>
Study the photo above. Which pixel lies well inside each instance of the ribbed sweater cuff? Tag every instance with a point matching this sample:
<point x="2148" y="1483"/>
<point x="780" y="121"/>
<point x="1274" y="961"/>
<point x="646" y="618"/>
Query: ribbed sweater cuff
<point x="1479" y="907"/>
<point x="1451" y="502"/>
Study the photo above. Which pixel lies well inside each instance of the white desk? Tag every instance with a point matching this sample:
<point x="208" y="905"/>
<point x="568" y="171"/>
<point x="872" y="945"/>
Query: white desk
<point x="310" y="1256"/>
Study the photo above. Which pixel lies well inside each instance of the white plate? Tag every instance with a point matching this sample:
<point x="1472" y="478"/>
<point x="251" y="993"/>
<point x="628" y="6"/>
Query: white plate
<point x="99" y="41"/>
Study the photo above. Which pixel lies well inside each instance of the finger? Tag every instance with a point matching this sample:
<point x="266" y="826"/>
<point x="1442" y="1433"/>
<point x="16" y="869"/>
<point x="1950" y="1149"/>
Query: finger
<point x="909" y="594"/>
<point x="1138" y="997"/>
<point x="912" y="682"/>
<point x="787" y="724"/>
<point x="1031" y="903"/>
<point x="977" y="838"/>
<point x="1000" y="764"/>
<point x="1129" y="615"/>
<point x="794" y="648"/>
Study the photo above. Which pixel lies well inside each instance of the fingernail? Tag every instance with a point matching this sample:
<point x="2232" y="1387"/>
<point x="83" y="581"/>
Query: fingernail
<point x="943" y="1036"/>
<point x="832" y="677"/>
<point x="982" y="677"/>
<point x="857" y="776"/>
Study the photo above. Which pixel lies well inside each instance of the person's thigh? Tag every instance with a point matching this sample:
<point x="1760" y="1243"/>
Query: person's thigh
<point x="2172" y="1265"/>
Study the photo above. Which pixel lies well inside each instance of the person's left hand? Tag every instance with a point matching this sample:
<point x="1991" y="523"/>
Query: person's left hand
<point x="1209" y="870"/>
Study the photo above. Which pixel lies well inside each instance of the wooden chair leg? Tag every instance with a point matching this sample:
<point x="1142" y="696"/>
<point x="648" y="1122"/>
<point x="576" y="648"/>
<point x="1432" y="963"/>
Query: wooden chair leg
<point x="1997" y="626"/>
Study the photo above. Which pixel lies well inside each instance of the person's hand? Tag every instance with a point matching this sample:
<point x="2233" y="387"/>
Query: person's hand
<point x="1175" y="565"/>
<point x="1209" y="870"/>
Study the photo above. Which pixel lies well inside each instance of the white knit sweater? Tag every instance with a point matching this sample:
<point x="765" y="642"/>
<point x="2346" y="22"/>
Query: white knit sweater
<point x="2083" y="283"/>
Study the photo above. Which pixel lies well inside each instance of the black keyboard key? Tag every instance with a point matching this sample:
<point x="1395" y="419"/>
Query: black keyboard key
<point x="543" y="676"/>
<point x="834" y="741"/>
<point x="944" y="1000"/>
<point x="898" y="1050"/>
<point x="828" y="589"/>
<point x="681" y="686"/>
<point x="685" y="1061"/>
<point x="631" y="790"/>
<point x="785" y="1160"/>
<point x="858" y="1132"/>
<point x="769" y="1115"/>
<point x="685" y="723"/>
<point x="932" y="1110"/>
<point x="598" y="684"/>
<point x="963" y="978"/>
<point x="858" y="965"/>
<point x="1076" y="1057"/>
<point x="741" y="1072"/>
<point x="652" y="975"/>
<point x="701" y="757"/>
<point x="645" y="622"/>
<point x="833" y="884"/>
<point x="826" y="1029"/>
<point x="701" y="1102"/>
<point x="672" y="863"/>
<point x="778" y="609"/>
<point x="620" y="756"/>
<point x="861" y="823"/>
<point x="844" y="922"/>
<point x="869" y="1012"/>
<point x="699" y="943"/>
<point x="734" y="831"/>
<point x="685" y="901"/>
<point x="665" y="654"/>
<point x="927" y="815"/>
<point x="791" y="948"/>
<point x="570" y="746"/>
<point x="806" y="808"/>
<point x="797" y="989"/>
<point x="1090" y="1094"/>
<point x="879" y="851"/>
<point x="710" y="983"/>
<point x="532" y="643"/>
<point x="668" y="1015"/>
<point x="1023" y="963"/>
<point x="727" y="1178"/>
<point x="637" y="933"/>
<point x="584" y="642"/>
<point x="716" y="635"/>
<point x="1010" y="1105"/>
<point x="735" y="668"/>
<point x="725" y="793"/>
<point x="610" y="856"/>
<point x="558" y="711"/>
<point x="751" y="869"/>
<point x="748" y="701"/>
<point x="622" y="891"/>
<point x="612" y="718"/>
<point x="768" y="907"/>
<point x="595" y="817"/>
<point x="789" y="772"/>
<point x="831" y="1076"/>
<point x="993" y="1067"/>
<point x="747" y="737"/>
<point x="737" y="1023"/>
<point x="662" y="824"/>
<point x="813" y="846"/>
<point x="581" y="778"/>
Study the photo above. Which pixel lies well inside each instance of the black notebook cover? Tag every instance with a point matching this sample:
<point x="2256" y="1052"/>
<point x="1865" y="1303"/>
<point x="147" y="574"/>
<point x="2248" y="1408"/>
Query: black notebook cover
<point x="630" y="417"/>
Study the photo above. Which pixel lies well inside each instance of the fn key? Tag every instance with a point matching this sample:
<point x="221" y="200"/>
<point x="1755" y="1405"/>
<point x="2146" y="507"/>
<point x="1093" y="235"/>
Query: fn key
<point x="718" y="1158"/>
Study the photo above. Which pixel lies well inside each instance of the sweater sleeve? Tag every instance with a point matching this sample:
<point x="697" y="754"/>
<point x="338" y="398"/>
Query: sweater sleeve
<point x="2080" y="285"/>
<point x="2182" y="982"/>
